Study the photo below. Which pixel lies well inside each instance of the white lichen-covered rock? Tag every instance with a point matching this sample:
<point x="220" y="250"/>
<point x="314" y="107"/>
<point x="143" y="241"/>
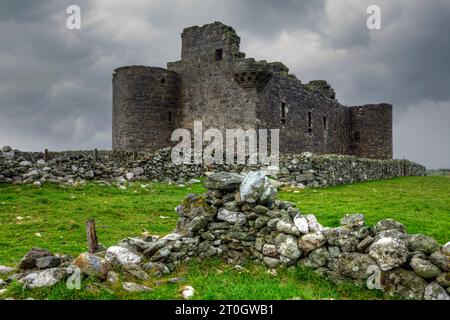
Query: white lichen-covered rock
<point x="271" y="262"/>
<point x="434" y="291"/>
<point x="112" y="278"/>
<point x="311" y="241"/>
<point x="225" y="181"/>
<point x="446" y="248"/>
<point x="389" y="253"/>
<point x="269" y="193"/>
<point x="231" y="216"/>
<point x="355" y="265"/>
<point x="270" y="250"/>
<point x="287" y="227"/>
<point x="389" y="224"/>
<point x="129" y="176"/>
<point x="353" y="220"/>
<point x="289" y="248"/>
<point x="45" y="278"/>
<point x="313" y="224"/>
<point x="252" y="187"/>
<point x="301" y="223"/>
<point x="187" y="292"/>
<point x="123" y="256"/>
<point x="135" y="287"/>
<point x="319" y="257"/>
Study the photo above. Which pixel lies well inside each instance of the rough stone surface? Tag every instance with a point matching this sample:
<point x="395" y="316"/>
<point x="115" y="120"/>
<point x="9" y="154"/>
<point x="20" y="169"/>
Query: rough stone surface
<point x="319" y="257"/>
<point x="156" y="268"/>
<point x="425" y="244"/>
<point x="29" y="260"/>
<point x="287" y="227"/>
<point x="311" y="241"/>
<point x="353" y="220"/>
<point x="440" y="260"/>
<point x="122" y="256"/>
<point x="231" y="217"/>
<point x="252" y="187"/>
<point x="135" y="287"/>
<point x="435" y="292"/>
<point x="446" y="248"/>
<point x="48" y="262"/>
<point x="45" y="278"/>
<point x="6" y="270"/>
<point x="111" y="168"/>
<point x="444" y="279"/>
<point x="301" y="223"/>
<point x="92" y="265"/>
<point x="403" y="283"/>
<point x="223" y="181"/>
<point x="389" y="224"/>
<point x="424" y="268"/>
<point x="355" y="265"/>
<point x="389" y="253"/>
<point x="289" y="249"/>
<point x="313" y="224"/>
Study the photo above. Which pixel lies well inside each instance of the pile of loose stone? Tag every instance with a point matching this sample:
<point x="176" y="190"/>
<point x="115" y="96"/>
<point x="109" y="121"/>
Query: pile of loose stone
<point x="239" y="218"/>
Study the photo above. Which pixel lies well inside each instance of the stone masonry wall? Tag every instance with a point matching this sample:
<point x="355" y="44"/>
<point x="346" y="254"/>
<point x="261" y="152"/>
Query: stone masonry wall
<point x="371" y="131"/>
<point x="214" y="83"/>
<point x="300" y="170"/>
<point x="208" y="90"/>
<point x="145" y="107"/>
<point x="328" y="130"/>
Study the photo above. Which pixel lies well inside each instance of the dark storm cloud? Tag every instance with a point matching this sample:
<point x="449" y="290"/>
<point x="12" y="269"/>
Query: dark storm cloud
<point x="55" y="84"/>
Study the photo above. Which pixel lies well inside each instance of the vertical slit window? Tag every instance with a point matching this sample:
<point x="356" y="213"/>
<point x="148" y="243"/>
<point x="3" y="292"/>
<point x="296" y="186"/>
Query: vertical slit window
<point x="219" y="54"/>
<point x="309" y="120"/>
<point x="283" y="112"/>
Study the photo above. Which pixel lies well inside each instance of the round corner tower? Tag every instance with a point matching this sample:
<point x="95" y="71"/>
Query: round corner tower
<point x="145" y="103"/>
<point x="372" y="131"/>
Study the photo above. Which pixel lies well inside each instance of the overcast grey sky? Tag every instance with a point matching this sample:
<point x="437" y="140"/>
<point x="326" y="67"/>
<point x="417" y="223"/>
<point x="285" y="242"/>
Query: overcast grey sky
<point x="55" y="83"/>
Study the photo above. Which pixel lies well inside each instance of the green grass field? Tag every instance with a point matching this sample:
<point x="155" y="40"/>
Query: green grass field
<point x="53" y="217"/>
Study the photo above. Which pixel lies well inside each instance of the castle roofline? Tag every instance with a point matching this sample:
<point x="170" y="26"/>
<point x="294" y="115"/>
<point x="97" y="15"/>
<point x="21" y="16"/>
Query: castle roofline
<point x="216" y="24"/>
<point x="138" y="67"/>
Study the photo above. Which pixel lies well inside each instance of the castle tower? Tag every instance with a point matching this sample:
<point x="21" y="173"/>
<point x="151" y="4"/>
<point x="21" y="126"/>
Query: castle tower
<point x="211" y="43"/>
<point x="209" y="92"/>
<point x="371" y="131"/>
<point x="145" y="106"/>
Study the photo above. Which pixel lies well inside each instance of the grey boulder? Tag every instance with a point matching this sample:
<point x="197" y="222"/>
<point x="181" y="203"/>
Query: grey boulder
<point x="424" y="268"/>
<point x="225" y="181"/>
<point x="425" y="244"/>
<point x="435" y="292"/>
<point x="389" y="253"/>
<point x="45" y="278"/>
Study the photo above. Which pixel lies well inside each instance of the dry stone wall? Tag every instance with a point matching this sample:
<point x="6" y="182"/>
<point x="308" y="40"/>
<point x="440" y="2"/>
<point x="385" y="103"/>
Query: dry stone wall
<point x="239" y="219"/>
<point x="300" y="170"/>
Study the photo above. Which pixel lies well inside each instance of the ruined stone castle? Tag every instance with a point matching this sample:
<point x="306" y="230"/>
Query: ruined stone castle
<point x="215" y="83"/>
